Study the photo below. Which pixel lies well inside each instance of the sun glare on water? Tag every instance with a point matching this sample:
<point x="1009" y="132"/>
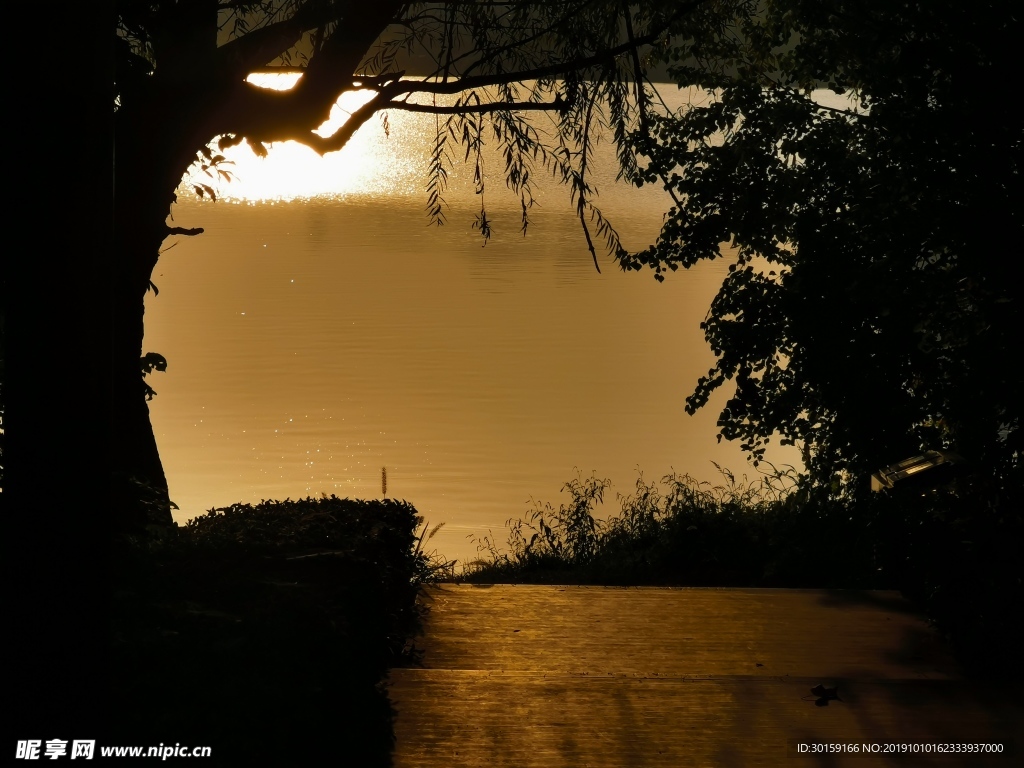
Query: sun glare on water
<point x="371" y="163"/>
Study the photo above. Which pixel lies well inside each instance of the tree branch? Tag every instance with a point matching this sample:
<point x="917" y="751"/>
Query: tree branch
<point x="239" y="57"/>
<point x="343" y="52"/>
<point x="582" y="183"/>
<point x="359" y="24"/>
<point x="495" y="106"/>
<point x="575" y="8"/>
<point x="638" y="72"/>
<point x="265" y="115"/>
<point x="293" y="115"/>
<point x="340" y="138"/>
<point x="277" y="70"/>
<point x="536" y="73"/>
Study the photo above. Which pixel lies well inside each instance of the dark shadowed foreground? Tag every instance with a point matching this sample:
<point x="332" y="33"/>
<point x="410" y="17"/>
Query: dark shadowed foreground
<point x="264" y="631"/>
<point x="600" y="676"/>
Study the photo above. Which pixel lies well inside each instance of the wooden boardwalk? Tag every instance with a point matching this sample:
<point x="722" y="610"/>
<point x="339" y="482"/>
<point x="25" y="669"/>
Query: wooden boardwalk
<point x="576" y="677"/>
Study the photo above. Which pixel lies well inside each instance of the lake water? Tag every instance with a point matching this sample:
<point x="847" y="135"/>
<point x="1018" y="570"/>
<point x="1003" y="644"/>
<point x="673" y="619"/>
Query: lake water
<point x="316" y="338"/>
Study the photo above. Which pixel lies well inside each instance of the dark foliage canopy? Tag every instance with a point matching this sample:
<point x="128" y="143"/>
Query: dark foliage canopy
<point x="482" y="68"/>
<point x="871" y="312"/>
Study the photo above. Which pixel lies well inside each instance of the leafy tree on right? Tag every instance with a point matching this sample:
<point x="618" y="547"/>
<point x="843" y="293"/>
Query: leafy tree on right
<point x="871" y="312"/>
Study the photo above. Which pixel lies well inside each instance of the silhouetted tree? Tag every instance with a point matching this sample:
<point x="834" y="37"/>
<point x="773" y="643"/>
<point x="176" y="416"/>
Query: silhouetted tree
<point x="181" y="69"/>
<point x="3" y="356"/>
<point x="872" y="311"/>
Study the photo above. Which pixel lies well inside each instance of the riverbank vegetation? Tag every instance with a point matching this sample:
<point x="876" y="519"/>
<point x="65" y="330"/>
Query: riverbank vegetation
<point x="856" y="157"/>
<point x="264" y="631"/>
<point x="953" y="550"/>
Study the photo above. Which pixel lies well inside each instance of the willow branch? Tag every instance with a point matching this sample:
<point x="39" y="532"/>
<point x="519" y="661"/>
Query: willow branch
<point x="574" y="8"/>
<point x="267" y="115"/>
<point x="293" y="115"/>
<point x="638" y="73"/>
<point x="494" y="106"/>
<point x="536" y="73"/>
<point x="583" y="171"/>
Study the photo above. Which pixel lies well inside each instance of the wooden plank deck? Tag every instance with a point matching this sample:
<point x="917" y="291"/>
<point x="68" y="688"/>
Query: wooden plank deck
<point x="570" y="677"/>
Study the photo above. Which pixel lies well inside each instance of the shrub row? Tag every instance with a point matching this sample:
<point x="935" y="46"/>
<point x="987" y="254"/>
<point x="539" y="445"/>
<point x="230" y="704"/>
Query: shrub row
<point x="265" y="630"/>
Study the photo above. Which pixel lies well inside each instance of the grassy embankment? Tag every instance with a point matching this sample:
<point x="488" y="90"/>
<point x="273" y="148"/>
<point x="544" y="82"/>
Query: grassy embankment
<point x="955" y="552"/>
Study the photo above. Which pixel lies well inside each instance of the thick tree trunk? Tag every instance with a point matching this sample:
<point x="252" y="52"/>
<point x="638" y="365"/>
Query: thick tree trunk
<point x="140" y="485"/>
<point x="152" y="151"/>
<point x="166" y="114"/>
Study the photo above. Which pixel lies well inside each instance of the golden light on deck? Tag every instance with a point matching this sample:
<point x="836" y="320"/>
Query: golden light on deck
<point x="291" y="170"/>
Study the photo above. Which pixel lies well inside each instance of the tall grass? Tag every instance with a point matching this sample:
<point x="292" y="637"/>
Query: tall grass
<point x="678" y="531"/>
<point x="954" y="550"/>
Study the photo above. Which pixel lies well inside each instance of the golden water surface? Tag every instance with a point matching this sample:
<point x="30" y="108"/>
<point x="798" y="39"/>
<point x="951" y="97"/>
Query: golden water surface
<point x="322" y="329"/>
